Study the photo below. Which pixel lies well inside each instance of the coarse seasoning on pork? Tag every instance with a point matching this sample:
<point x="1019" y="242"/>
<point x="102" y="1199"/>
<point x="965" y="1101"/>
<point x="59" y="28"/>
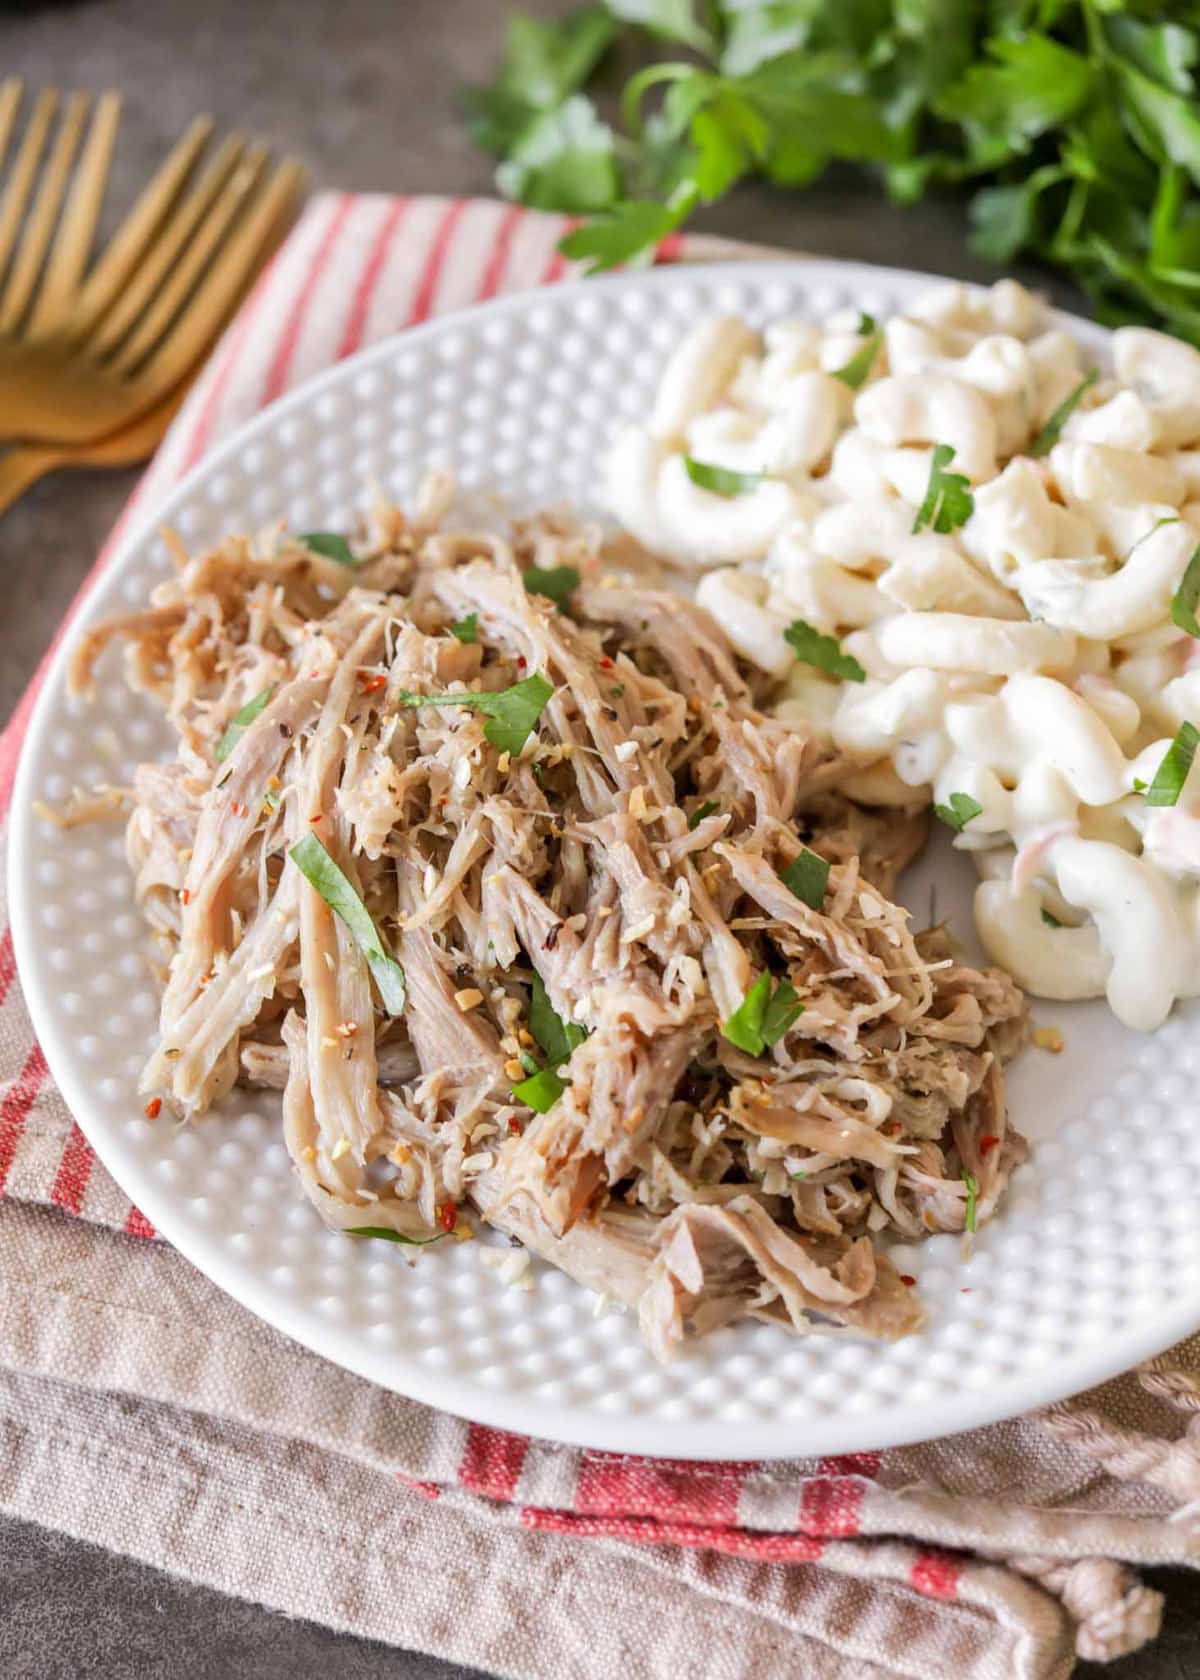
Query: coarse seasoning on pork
<point x="488" y="856"/>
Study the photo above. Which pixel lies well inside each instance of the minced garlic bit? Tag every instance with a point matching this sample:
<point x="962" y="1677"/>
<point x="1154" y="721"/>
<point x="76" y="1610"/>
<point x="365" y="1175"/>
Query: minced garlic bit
<point x="604" y="911"/>
<point x="637" y="803"/>
<point x="503" y="762"/>
<point x="1048" y="1038"/>
<point x="340" y="1148"/>
<point x="624" y="751"/>
<point x="469" y="998"/>
<point x="513" y="1069"/>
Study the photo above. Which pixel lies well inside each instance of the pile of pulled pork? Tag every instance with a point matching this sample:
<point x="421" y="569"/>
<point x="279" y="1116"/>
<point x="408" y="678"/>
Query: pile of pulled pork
<point x="579" y="912"/>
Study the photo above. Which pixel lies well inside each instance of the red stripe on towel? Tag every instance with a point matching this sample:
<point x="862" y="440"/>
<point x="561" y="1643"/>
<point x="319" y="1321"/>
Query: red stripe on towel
<point x="356" y="323"/>
<point x="74" y="1170"/>
<point x="431" y="274"/>
<point x="936" y="1574"/>
<point x="285" y="350"/>
<point x="493" y="273"/>
<point x="736" y="1542"/>
<point x="14" y="1111"/>
<point x="492" y="1461"/>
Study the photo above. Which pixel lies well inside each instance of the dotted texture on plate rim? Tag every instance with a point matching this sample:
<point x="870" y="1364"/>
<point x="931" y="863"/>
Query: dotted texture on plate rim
<point x="1097" y="1236"/>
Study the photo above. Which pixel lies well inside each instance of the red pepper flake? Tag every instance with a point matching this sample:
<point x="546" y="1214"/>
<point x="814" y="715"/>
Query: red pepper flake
<point x="153" y="1108"/>
<point x="448" y="1216"/>
<point x="316" y="817"/>
<point x="185" y="896"/>
<point x="910" y="1281"/>
<point x="372" y="685"/>
<point x="514" y="1125"/>
<point x="520" y="662"/>
<point x="238" y="809"/>
<point x="988" y="1142"/>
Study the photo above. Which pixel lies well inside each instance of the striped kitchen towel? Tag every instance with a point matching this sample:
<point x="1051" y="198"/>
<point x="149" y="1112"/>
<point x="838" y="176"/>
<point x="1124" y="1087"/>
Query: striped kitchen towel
<point x="989" y="1555"/>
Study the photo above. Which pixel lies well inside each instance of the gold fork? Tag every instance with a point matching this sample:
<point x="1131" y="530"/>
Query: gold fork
<point x="23" y="465"/>
<point x="82" y="358"/>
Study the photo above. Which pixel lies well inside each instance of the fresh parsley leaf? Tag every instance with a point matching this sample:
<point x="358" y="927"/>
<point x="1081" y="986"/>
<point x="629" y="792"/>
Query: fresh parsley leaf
<point x="386" y="1235"/>
<point x="558" y="1038"/>
<point x="675" y="20"/>
<point x="322" y="873"/>
<point x="969" y="1219"/>
<point x="807" y="876"/>
<point x="867" y="324"/>
<point x="557" y="583"/>
<point x="860" y="364"/>
<point x="331" y="545"/>
<point x="704" y="810"/>
<point x="721" y="481"/>
<point x="1183" y="602"/>
<point x="948" y="500"/>
<point x="466" y="629"/>
<point x="564" y="160"/>
<point x="240" y="722"/>
<point x="763" y="1016"/>
<point x="541" y="1090"/>
<point x="824" y="652"/>
<point x="511" y="712"/>
<point x="1165" y="52"/>
<point x="782" y="1011"/>
<point x="631" y="229"/>
<point x="1022" y="89"/>
<point x="1050" y="433"/>
<point x="729" y="137"/>
<point x="1172" y="773"/>
<point x="961" y="809"/>
<point x="543" y="64"/>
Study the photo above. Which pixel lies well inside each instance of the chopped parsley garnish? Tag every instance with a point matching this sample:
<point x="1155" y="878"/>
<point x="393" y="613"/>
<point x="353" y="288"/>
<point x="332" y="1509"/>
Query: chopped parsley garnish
<point x="511" y="712"/>
<point x="1173" y="771"/>
<point x="319" y="869"/>
<point x="1183" y="602"/>
<point x="798" y="1175"/>
<point x="708" y="809"/>
<point x="466" y="629"/>
<point x="812" y="648"/>
<point x="558" y="1038"/>
<point x="558" y="583"/>
<point x="1049" y="435"/>
<point x="1139" y="786"/>
<point x="331" y="545"/>
<point x="959" y="812"/>
<point x="807" y="876"/>
<point x="722" y="481"/>
<point x="860" y="364"/>
<point x="763" y="1016"/>
<point x="618" y="691"/>
<point x="385" y="1235"/>
<point x="541" y="1090"/>
<point x="972" y="1193"/>
<point x="241" y="721"/>
<point x="948" y="500"/>
<point x="866" y="323"/>
<point x="542" y="1087"/>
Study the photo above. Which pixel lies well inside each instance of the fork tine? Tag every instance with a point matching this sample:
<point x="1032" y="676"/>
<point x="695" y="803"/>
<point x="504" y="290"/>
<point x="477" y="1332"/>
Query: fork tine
<point x="66" y="263"/>
<point x="24" y="172"/>
<point x="40" y="226"/>
<point x="128" y="244"/>
<point x="173" y="240"/>
<point x="10" y="100"/>
<point x="228" y="279"/>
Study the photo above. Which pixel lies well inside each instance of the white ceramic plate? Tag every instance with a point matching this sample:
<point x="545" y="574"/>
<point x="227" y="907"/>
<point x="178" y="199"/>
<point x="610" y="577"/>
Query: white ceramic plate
<point x="1094" y="1261"/>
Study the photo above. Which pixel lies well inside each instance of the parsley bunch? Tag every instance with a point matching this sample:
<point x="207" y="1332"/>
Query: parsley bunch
<point x="1074" y="123"/>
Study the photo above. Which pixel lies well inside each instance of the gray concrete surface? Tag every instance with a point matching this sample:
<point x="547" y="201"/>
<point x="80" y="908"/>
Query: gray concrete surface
<point x="364" y="92"/>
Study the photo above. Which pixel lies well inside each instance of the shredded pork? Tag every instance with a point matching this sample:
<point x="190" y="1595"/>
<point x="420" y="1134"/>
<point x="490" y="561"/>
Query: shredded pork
<point x="623" y="861"/>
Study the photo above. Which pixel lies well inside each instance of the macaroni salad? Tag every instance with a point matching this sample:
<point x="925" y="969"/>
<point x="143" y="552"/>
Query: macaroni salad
<point x="970" y="559"/>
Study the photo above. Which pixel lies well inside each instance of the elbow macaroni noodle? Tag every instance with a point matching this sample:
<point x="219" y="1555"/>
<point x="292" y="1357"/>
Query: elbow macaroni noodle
<point x="1027" y="659"/>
